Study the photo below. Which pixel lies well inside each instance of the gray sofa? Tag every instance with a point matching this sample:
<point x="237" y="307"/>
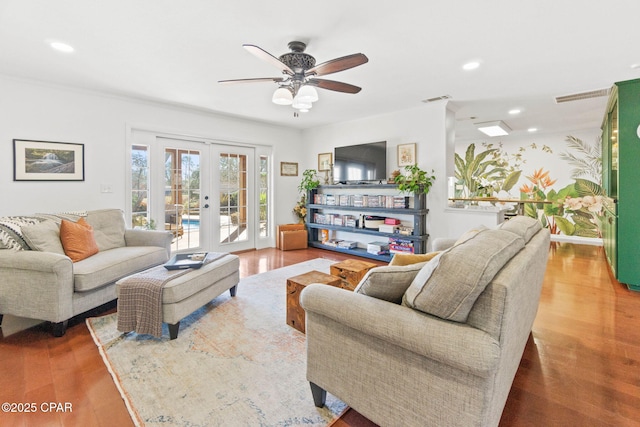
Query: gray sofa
<point x="431" y="344"/>
<point x="38" y="281"/>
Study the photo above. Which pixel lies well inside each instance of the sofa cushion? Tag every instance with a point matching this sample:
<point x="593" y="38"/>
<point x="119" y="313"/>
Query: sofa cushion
<point x="113" y="264"/>
<point x="11" y="236"/>
<point x="44" y="237"/>
<point x="77" y="239"/>
<point x="408" y="259"/>
<point x="388" y="283"/>
<point x="524" y="226"/>
<point x="448" y="285"/>
<point x="108" y="227"/>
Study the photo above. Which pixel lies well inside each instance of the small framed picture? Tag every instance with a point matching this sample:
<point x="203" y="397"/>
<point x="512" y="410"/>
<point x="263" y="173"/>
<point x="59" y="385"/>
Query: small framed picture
<point x="407" y="154"/>
<point x="325" y="161"/>
<point x="288" y="169"/>
<point x="47" y="161"/>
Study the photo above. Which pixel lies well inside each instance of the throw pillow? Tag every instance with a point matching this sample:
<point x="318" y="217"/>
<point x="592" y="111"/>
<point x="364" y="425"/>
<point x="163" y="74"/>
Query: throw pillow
<point x="108" y="226"/>
<point x="388" y="283"/>
<point x="523" y="226"/>
<point x="77" y="239"/>
<point x="448" y="285"/>
<point x="44" y="237"/>
<point x="408" y="259"/>
<point x="469" y="234"/>
<point x="11" y="232"/>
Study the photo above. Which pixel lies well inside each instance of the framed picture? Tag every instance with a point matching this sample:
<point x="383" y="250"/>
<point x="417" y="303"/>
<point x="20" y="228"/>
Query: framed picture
<point x="325" y="161"/>
<point x="288" y="169"/>
<point x="47" y="161"/>
<point x="406" y="154"/>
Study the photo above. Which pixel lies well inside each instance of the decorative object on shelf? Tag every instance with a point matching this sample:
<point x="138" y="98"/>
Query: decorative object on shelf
<point x="288" y="169"/>
<point x="415" y="181"/>
<point x="325" y="161"/>
<point x="47" y="161"/>
<point x="392" y="176"/>
<point x="407" y="154"/>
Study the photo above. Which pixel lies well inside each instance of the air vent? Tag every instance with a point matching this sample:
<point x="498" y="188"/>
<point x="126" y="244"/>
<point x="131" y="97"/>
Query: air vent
<point x="583" y="95"/>
<point x="437" y="98"/>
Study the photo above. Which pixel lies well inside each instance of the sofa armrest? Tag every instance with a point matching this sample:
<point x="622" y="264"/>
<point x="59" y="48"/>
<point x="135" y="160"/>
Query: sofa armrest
<point x="442" y="243"/>
<point x="133" y="237"/>
<point x="455" y="344"/>
<point x="36" y="284"/>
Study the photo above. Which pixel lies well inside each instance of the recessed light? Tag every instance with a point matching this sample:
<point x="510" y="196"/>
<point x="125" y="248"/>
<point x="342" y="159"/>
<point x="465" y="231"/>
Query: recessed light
<point x="532" y="130"/>
<point x="471" y="65"/>
<point x="61" y="47"/>
<point x="514" y="111"/>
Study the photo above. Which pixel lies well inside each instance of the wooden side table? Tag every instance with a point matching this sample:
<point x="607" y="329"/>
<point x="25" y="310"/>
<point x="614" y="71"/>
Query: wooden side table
<point x="351" y="272"/>
<point x="295" y="285"/>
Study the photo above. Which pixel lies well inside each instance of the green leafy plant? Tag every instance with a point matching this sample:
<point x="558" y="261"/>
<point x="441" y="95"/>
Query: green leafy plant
<point x="415" y="181"/>
<point x="309" y="181"/>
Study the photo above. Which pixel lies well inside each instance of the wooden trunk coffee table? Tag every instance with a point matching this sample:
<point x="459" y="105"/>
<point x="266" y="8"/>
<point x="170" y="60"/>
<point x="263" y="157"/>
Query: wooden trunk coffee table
<point x="295" y="285"/>
<point x="351" y="271"/>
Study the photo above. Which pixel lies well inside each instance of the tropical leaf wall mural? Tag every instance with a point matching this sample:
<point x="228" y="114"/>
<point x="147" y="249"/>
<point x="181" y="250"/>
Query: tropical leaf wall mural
<point x="571" y="207"/>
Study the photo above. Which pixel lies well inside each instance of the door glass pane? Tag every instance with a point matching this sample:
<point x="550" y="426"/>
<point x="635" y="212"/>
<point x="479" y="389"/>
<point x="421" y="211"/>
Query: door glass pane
<point x="182" y="197"/>
<point x="140" y="217"/>
<point x="263" y="207"/>
<point x="233" y="198"/>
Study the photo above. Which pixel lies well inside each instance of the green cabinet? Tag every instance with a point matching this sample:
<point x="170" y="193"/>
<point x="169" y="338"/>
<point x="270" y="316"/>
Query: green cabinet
<point x="621" y="181"/>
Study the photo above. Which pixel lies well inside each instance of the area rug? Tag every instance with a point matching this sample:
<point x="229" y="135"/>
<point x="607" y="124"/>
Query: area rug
<point x="235" y="362"/>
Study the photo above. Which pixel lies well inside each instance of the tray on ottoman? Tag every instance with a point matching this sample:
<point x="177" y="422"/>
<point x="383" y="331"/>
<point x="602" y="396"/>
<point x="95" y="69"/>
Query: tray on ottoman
<point x="182" y="261"/>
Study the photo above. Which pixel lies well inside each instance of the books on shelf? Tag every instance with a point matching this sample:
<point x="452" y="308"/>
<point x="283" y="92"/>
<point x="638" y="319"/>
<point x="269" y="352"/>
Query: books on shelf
<point x="378" y="248"/>
<point x="362" y="200"/>
<point x="347" y="244"/>
<point x="398" y="245"/>
<point x="386" y="228"/>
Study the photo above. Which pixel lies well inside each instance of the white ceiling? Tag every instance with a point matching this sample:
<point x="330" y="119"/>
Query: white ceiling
<point x="176" y="51"/>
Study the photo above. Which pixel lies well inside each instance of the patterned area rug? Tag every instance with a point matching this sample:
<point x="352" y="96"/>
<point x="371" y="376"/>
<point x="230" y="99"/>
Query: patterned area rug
<point x="235" y="362"/>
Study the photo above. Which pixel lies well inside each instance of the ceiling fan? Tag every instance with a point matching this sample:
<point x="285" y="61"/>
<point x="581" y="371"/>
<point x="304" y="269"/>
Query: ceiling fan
<point x="297" y="85"/>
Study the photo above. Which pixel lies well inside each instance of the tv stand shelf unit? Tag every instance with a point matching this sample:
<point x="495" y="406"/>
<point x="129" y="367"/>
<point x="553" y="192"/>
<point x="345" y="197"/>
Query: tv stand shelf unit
<point x="418" y="213"/>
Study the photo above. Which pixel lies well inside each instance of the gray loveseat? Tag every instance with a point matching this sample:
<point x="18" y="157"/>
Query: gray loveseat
<point x="38" y="281"/>
<point x="431" y="344"/>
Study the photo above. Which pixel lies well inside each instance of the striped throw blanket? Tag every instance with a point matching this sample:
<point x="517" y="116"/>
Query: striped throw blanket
<point x="140" y="297"/>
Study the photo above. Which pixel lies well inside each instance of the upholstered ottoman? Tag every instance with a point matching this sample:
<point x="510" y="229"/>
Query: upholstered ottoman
<point x="186" y="293"/>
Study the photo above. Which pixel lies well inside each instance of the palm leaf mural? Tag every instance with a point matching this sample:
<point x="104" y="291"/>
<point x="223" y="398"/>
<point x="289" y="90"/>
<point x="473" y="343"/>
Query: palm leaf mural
<point x="589" y="164"/>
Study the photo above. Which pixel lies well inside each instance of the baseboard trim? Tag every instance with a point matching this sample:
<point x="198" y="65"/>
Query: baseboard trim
<point x="595" y="241"/>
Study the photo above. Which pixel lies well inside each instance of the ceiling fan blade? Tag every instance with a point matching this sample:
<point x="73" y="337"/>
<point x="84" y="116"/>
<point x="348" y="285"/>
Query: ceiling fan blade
<point x="258" y="80"/>
<point x="333" y="85"/>
<point x="266" y="56"/>
<point x="338" y="64"/>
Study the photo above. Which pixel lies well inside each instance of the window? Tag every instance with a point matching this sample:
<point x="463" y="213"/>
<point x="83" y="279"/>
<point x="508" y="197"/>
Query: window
<point x="140" y="214"/>
<point x="263" y="192"/>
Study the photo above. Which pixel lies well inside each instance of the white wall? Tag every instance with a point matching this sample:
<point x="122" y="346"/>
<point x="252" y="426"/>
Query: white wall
<point x="425" y="125"/>
<point x="30" y="110"/>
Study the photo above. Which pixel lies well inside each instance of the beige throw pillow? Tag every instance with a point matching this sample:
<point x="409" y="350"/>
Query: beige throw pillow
<point x="523" y="226"/>
<point x="44" y="237"/>
<point x="388" y="283"/>
<point x="448" y="285"/>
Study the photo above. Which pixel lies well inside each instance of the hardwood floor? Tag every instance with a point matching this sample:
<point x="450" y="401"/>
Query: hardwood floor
<point x="581" y="366"/>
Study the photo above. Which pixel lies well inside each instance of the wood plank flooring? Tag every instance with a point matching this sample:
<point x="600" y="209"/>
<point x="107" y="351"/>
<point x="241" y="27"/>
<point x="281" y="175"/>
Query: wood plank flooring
<point x="581" y="366"/>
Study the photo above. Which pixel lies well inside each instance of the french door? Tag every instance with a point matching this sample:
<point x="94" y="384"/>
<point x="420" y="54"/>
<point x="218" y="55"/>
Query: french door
<point x="235" y="223"/>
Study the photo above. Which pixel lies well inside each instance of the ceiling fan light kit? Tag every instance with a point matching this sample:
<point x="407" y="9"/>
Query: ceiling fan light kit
<point x="299" y="69"/>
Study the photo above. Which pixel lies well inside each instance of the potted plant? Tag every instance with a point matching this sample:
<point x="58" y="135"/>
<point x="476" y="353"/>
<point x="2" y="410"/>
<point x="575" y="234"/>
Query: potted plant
<point x="415" y="180"/>
<point x="309" y="182"/>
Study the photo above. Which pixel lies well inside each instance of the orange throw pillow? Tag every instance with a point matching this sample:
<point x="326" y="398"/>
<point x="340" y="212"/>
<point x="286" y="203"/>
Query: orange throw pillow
<point x="77" y="239"/>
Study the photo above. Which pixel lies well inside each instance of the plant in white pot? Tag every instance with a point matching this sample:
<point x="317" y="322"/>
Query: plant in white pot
<point x="415" y="180"/>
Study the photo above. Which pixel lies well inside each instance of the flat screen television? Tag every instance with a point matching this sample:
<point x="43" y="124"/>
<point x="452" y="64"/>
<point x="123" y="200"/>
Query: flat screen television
<point x="360" y="163"/>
